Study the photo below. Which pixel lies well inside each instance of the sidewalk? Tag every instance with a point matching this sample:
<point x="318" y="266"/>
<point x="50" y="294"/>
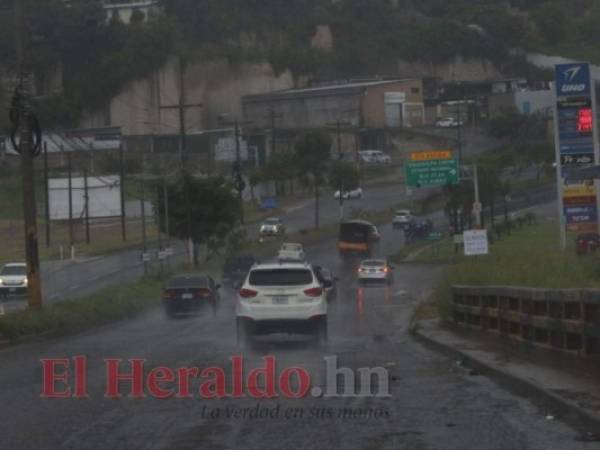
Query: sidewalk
<point x="569" y="393"/>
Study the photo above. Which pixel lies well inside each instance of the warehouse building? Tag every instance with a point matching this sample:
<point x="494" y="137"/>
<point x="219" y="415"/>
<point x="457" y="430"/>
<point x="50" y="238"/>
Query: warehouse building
<point x="364" y="104"/>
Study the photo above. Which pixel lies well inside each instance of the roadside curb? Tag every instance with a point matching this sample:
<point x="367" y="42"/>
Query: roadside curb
<point x="569" y="411"/>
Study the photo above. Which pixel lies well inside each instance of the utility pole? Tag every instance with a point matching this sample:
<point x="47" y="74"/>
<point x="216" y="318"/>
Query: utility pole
<point x="338" y="127"/>
<point x="158" y="223"/>
<point x="237" y="171"/>
<point x="46" y="195"/>
<point x="477" y="200"/>
<point x="70" y="187"/>
<point x="86" y="199"/>
<point x="143" y="212"/>
<point x="166" y="218"/>
<point x="183" y="153"/>
<point x="122" y="170"/>
<point x="272" y="116"/>
<point x="459" y="133"/>
<point x="24" y="120"/>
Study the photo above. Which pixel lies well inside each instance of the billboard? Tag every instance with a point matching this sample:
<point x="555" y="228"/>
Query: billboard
<point x="104" y="197"/>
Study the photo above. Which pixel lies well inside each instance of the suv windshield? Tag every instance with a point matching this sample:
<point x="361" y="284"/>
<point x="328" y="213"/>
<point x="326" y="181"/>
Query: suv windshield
<point x="280" y="277"/>
<point x="13" y="270"/>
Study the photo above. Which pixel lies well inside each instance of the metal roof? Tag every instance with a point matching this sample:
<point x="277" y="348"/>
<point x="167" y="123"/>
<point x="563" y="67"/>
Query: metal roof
<point x="321" y="91"/>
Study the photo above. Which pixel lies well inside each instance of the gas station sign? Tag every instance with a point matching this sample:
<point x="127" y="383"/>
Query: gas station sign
<point x="576" y="143"/>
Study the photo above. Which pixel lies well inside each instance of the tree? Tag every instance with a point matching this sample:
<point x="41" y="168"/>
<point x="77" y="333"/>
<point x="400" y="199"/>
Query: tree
<point x="313" y="151"/>
<point x="553" y="21"/>
<point x="214" y="211"/>
<point x="254" y="178"/>
<point x="280" y="168"/>
<point x="345" y="175"/>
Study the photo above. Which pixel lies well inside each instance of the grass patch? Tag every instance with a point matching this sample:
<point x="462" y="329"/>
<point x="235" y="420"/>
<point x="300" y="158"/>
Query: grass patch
<point x="528" y="257"/>
<point x="106" y="306"/>
<point x="105" y="238"/>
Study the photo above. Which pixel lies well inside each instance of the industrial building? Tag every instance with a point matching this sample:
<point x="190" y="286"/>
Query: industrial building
<point x="371" y="104"/>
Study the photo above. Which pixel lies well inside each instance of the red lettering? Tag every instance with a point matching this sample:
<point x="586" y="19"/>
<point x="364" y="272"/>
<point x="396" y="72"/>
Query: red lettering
<point x="183" y="375"/>
<point x="113" y="376"/>
<point x="268" y="374"/>
<point x="237" y="370"/>
<point x="285" y="382"/>
<point x="157" y="376"/>
<point x="50" y="377"/>
<point x="80" y="377"/>
<point x="215" y="387"/>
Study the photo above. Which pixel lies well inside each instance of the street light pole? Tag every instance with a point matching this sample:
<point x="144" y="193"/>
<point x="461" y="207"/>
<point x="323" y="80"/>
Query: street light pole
<point x="239" y="169"/>
<point x="478" y="212"/>
<point x="340" y="156"/>
<point x="338" y="127"/>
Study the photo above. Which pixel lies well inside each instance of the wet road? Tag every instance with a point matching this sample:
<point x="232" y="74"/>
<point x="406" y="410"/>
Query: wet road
<point x="433" y="404"/>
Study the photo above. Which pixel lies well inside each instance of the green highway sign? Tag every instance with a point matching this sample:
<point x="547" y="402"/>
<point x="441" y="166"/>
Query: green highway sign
<point x="431" y="172"/>
<point x="435" y="236"/>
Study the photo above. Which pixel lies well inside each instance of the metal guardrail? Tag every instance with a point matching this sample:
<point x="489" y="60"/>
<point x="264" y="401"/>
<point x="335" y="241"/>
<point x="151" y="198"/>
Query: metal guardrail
<point x="561" y="319"/>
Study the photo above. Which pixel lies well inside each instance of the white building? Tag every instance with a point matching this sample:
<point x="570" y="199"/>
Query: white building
<point x="126" y="8"/>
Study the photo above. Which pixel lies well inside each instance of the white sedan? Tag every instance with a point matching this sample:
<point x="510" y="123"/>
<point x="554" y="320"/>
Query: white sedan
<point x="291" y="252"/>
<point x="448" y="122"/>
<point x="347" y="195"/>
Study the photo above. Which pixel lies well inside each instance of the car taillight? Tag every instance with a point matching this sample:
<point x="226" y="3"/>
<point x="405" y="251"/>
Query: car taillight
<point x="203" y="293"/>
<point x="247" y="293"/>
<point x="314" y="292"/>
<point x="169" y="295"/>
<point x="360" y="269"/>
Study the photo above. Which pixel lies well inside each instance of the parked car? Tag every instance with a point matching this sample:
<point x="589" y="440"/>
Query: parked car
<point x="13" y="280"/>
<point x="281" y="298"/>
<point x="328" y="281"/>
<point x="291" y="252"/>
<point x="272" y="226"/>
<point x="190" y="293"/>
<point x="236" y="269"/>
<point x="587" y="243"/>
<point x="402" y="219"/>
<point x="348" y="195"/>
<point x="374" y="157"/>
<point x="448" y="122"/>
<point x="375" y="270"/>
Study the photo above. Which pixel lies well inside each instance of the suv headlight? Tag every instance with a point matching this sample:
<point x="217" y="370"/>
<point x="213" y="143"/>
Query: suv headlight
<point x="25" y="281"/>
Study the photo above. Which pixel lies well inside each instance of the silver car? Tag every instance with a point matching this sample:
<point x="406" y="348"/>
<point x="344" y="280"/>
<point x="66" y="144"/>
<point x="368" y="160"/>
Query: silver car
<point x="13" y="280"/>
<point x="375" y="270"/>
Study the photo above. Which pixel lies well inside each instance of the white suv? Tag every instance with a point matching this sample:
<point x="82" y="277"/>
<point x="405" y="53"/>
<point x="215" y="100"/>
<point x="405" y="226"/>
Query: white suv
<point x="374" y="157"/>
<point x="281" y="298"/>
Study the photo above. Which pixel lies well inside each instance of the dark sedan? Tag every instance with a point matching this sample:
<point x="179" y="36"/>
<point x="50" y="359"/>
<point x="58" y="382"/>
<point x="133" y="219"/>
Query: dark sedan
<point x="328" y="280"/>
<point x="190" y="293"/>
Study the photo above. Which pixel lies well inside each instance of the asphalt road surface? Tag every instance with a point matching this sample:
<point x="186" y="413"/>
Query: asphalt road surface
<point x="433" y="403"/>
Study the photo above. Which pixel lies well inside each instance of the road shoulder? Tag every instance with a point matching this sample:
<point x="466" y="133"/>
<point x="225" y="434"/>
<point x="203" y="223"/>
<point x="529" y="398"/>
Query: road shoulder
<point x="572" y="397"/>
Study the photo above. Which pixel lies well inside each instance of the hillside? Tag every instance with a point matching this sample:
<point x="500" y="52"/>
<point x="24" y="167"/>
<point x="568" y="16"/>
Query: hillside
<point x="96" y="58"/>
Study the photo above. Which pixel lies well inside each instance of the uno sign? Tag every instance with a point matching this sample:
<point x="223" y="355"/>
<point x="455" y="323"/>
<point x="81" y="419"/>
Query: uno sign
<point x="573" y="79"/>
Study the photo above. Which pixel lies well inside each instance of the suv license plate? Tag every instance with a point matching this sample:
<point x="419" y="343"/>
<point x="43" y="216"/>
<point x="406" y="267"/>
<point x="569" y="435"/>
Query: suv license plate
<point x="280" y="300"/>
<point x="187" y="296"/>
